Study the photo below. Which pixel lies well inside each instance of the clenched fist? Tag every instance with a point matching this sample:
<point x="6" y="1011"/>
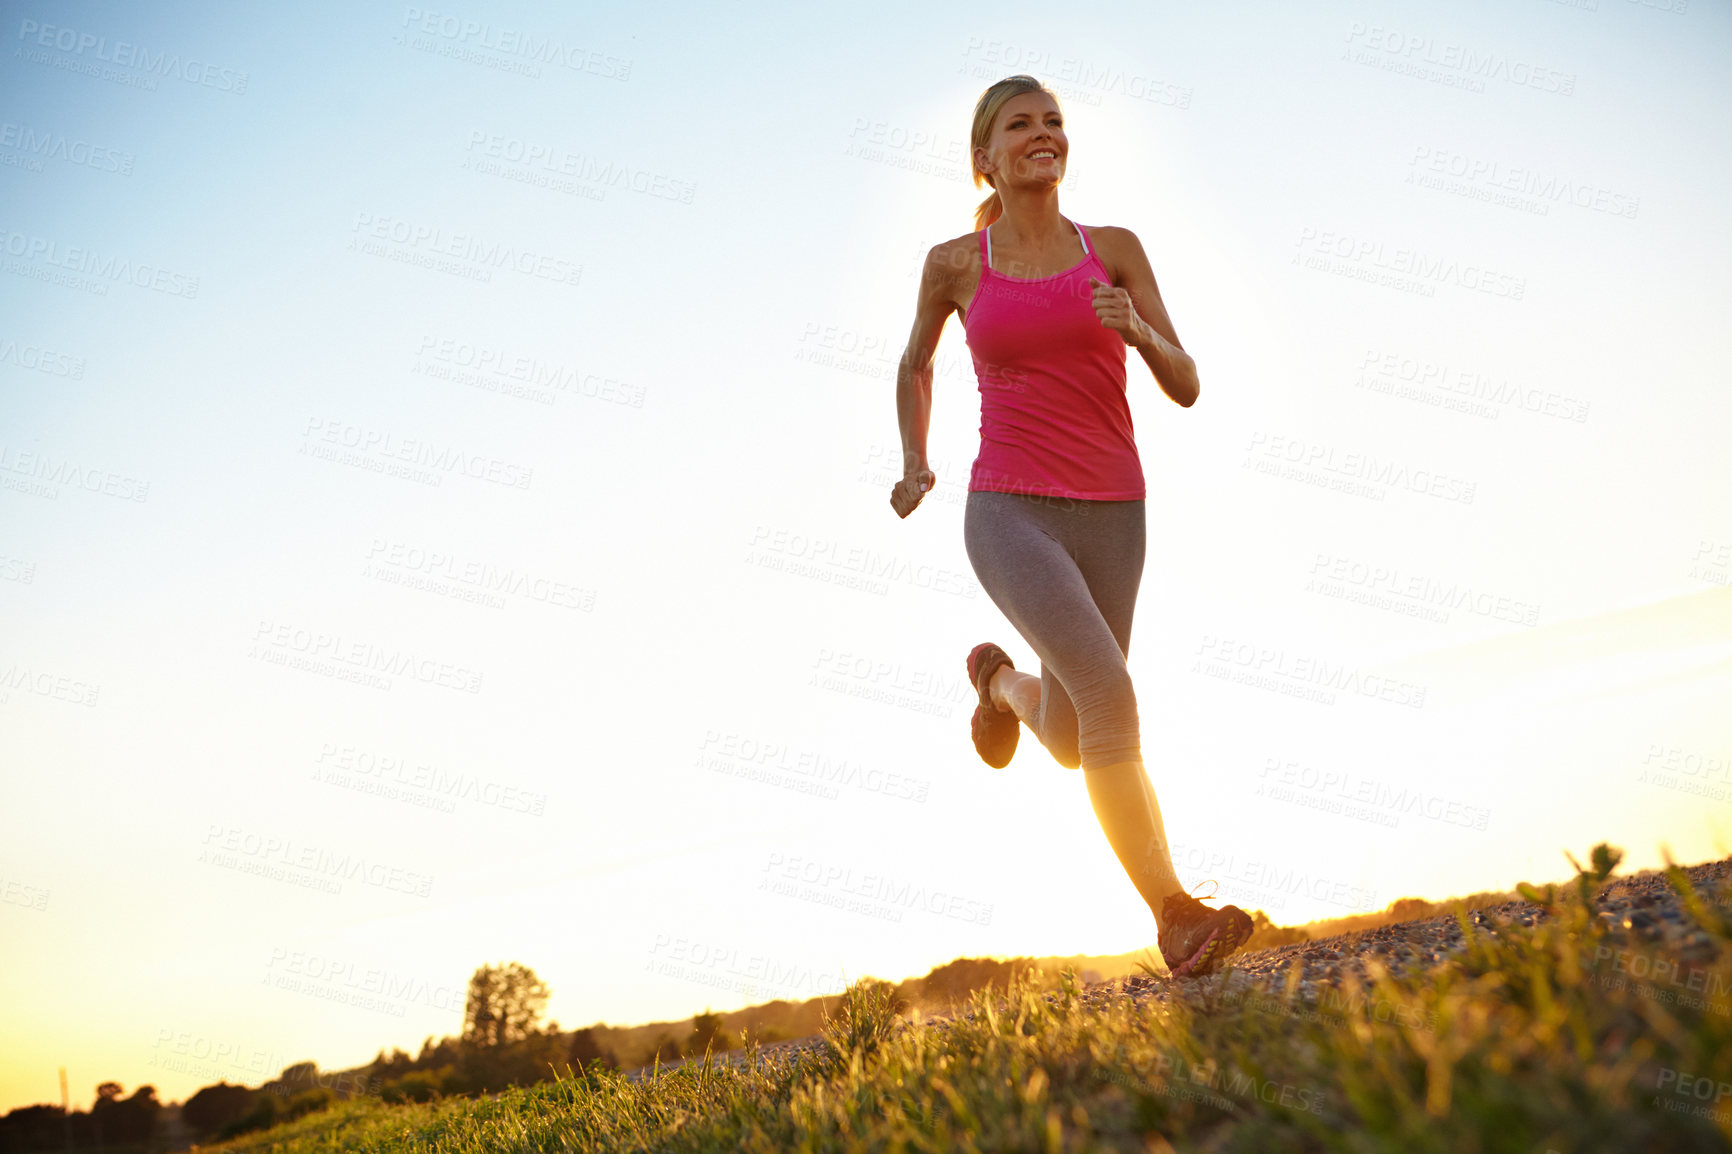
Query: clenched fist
<point x="1113" y="307"/>
<point x="909" y="490"/>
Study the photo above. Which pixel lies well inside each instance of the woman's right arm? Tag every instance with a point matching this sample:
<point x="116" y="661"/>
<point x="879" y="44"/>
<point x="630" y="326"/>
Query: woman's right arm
<point x="914" y="380"/>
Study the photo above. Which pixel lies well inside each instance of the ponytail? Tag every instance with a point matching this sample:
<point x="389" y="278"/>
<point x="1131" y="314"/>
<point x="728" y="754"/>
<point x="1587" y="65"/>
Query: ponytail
<point x="988" y="211"/>
<point x="985" y="112"/>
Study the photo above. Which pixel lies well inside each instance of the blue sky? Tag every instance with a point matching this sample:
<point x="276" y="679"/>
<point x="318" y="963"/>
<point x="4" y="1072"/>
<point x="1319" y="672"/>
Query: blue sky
<point x="445" y="501"/>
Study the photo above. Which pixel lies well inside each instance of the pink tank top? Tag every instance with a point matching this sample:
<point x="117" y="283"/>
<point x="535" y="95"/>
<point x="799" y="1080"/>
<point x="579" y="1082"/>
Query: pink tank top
<point x="1054" y="418"/>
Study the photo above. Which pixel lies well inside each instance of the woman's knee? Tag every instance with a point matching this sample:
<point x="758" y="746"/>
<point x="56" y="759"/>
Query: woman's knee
<point x="1115" y="763"/>
<point x="1110" y="729"/>
<point x="1112" y="758"/>
<point x="1100" y="719"/>
<point x="1106" y="695"/>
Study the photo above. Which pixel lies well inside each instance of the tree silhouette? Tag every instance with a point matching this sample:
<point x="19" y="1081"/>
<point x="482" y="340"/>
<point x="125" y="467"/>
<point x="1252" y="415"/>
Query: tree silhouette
<point x="393" y="1064"/>
<point x="505" y="1003"/>
<point x="122" y="1120"/>
<point x="707" y="1034"/>
<point x="587" y="1052"/>
<point x="1407" y="909"/>
<point x="1265" y="934"/>
<point x="215" y="1107"/>
<point x="432" y="1055"/>
<point x="307" y="1072"/>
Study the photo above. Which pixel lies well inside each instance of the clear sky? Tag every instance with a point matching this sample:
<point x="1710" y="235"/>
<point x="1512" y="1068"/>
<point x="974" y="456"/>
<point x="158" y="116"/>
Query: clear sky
<point x="444" y="474"/>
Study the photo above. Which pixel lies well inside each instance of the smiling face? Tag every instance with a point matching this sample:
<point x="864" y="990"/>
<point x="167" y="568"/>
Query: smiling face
<point x="1027" y="145"/>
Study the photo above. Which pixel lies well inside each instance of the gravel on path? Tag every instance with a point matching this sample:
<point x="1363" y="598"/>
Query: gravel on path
<point x="1639" y="908"/>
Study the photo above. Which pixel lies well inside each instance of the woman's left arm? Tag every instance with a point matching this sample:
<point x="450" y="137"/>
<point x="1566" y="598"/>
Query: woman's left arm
<point x="1133" y="309"/>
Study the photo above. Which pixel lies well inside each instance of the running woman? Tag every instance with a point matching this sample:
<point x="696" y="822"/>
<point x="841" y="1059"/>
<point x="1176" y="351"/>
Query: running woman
<point x="1054" y="522"/>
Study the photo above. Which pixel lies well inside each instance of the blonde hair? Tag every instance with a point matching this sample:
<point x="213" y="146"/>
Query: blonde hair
<point x="991" y="102"/>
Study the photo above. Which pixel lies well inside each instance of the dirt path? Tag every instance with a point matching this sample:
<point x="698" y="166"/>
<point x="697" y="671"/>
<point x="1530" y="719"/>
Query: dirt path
<point x="1642" y="908"/>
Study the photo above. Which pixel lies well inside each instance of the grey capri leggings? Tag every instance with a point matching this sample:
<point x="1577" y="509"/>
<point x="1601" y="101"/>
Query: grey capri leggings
<point x="1065" y="573"/>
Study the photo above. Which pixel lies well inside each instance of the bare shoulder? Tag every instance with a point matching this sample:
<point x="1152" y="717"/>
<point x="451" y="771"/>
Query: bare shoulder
<point x="955" y="258"/>
<point x="1115" y="235"/>
<point x="1120" y="250"/>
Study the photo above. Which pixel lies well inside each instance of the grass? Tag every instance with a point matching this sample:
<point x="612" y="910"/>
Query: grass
<point x="1537" y="1039"/>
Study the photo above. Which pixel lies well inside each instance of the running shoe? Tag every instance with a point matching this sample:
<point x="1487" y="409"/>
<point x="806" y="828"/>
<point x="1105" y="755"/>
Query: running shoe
<point x="995" y="731"/>
<point x="1195" y="939"/>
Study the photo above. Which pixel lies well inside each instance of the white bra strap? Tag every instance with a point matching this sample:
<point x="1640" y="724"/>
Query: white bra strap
<point x="1081" y="237"/>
